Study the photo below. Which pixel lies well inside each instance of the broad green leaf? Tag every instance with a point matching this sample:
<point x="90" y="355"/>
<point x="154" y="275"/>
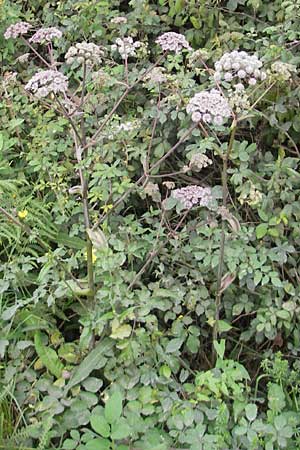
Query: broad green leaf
<point x="113" y="407"/>
<point x="220" y="348"/>
<point x="251" y="411"/>
<point x="94" y="360"/>
<point x="98" y="444"/>
<point x="165" y="371"/>
<point x="92" y="384"/>
<point x="71" y="242"/>
<point x="69" y="444"/>
<point x="174" y="345"/>
<point x="261" y="230"/>
<point x="121" y="332"/>
<point x="120" y="429"/>
<point x="48" y="356"/>
<point x="276" y="397"/>
<point x="223" y="326"/>
<point x="100" y="425"/>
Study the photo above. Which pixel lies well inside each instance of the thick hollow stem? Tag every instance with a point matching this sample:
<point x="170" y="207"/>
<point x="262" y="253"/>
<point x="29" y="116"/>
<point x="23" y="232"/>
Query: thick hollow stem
<point x="226" y="158"/>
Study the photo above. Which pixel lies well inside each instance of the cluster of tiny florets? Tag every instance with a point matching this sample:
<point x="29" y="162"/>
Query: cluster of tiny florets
<point x="199" y="161"/>
<point x="84" y="52"/>
<point x="238" y="99"/>
<point x="23" y="58"/>
<point x="239" y="67"/>
<point x="252" y="198"/>
<point x="173" y="42"/>
<point x="282" y="71"/>
<point x="46" y="82"/>
<point x="126" y="47"/>
<point x="45" y="35"/>
<point x="193" y="195"/>
<point x="156" y="75"/>
<point x="16" y="30"/>
<point x="119" y="20"/>
<point x="209" y="107"/>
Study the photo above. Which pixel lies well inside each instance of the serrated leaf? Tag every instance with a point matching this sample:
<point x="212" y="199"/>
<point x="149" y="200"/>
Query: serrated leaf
<point x="100" y="425"/>
<point x="48" y="356"/>
<point x="93" y="361"/>
<point x="113" y="407"/>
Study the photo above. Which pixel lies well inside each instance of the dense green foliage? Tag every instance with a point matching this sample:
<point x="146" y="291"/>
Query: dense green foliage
<point x="148" y="325"/>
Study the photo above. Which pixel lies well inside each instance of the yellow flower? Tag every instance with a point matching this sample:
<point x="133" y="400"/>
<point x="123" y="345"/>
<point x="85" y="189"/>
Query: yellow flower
<point x="23" y="214"/>
<point x="106" y="208"/>
<point x="94" y="256"/>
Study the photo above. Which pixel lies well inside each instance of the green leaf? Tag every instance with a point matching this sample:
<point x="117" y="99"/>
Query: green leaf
<point x="98" y="444"/>
<point x="121" y="332"/>
<point x="261" y="230"/>
<point x="165" y="371"/>
<point x="92" y="384"/>
<point x="48" y="356"/>
<point x="100" y="425"/>
<point x="283" y="314"/>
<point x="193" y="344"/>
<point x="63" y="239"/>
<point x="113" y="407"/>
<point x="120" y="429"/>
<point x="69" y="444"/>
<point x="174" y="345"/>
<point x="276" y="397"/>
<point x="223" y="326"/>
<point x="251" y="411"/>
<point x="220" y="348"/>
<point x="94" y="360"/>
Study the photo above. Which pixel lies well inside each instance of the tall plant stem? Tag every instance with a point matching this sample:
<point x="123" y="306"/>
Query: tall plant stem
<point x="226" y="158"/>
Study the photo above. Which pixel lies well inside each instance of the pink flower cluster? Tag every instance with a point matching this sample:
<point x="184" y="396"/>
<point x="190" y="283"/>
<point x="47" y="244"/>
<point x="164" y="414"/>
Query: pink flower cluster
<point x="173" y="42"/>
<point x="16" y="30"/>
<point x="46" y="82"/>
<point x="45" y="35"/>
<point x="193" y="195"/>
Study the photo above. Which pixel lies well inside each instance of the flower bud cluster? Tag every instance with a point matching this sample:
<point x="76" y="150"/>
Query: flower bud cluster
<point x="84" y="52"/>
<point x="282" y="71"/>
<point x="16" y="30"/>
<point x="193" y="195"/>
<point x="209" y="107"/>
<point x="199" y="161"/>
<point x="239" y="67"/>
<point x="238" y="99"/>
<point x="23" y="58"/>
<point x="45" y="35"/>
<point x="173" y="42"/>
<point x="126" y="47"/>
<point x="46" y="82"/>
<point x="119" y="20"/>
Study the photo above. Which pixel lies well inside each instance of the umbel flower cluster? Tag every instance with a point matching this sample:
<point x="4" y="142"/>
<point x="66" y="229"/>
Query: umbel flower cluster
<point x="193" y="195"/>
<point x="46" y="82"/>
<point x="126" y="47"/>
<point x="16" y="30"/>
<point x="283" y="71"/>
<point x="173" y="42"/>
<point x="156" y="75"/>
<point x="209" y="107"/>
<point x="239" y="67"/>
<point x="45" y="35"/>
<point x="84" y="52"/>
<point x="199" y="161"/>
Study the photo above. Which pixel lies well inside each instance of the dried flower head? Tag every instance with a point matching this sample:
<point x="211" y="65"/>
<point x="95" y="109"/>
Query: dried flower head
<point x="23" y="58"/>
<point x="169" y="184"/>
<point x="45" y="35"/>
<point x="84" y="52"/>
<point x="210" y="107"/>
<point x="152" y="190"/>
<point x="47" y="81"/>
<point x="126" y="47"/>
<point x="239" y="67"/>
<point x="173" y="42"/>
<point x="119" y="20"/>
<point x="199" y="161"/>
<point x="193" y="195"/>
<point x="282" y="71"/>
<point x="16" y="30"/>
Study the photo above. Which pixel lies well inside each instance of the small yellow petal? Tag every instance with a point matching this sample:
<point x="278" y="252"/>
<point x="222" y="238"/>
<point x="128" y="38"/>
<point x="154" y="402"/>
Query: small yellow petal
<point x="23" y="214"/>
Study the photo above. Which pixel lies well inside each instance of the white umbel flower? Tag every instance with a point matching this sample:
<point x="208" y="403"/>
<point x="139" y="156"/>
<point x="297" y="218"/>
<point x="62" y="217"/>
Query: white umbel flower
<point x="173" y="42"/>
<point x="126" y="47"/>
<point x="209" y="107"/>
<point x="45" y="35"/>
<point x="84" y="52"/>
<point x="16" y="30"/>
<point x="46" y="82"/>
<point x="193" y="195"/>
